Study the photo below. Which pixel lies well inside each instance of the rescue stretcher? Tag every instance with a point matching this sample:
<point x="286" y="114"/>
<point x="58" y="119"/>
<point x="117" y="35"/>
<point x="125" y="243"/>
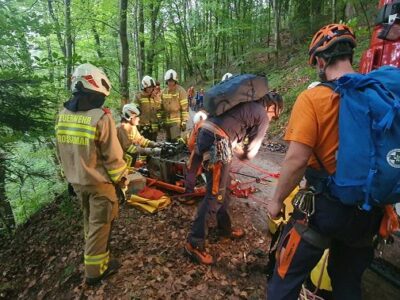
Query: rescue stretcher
<point x="168" y="172"/>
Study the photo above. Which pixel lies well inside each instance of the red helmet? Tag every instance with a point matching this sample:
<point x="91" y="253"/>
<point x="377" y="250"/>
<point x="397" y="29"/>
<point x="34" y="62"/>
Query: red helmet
<point x="328" y="36"/>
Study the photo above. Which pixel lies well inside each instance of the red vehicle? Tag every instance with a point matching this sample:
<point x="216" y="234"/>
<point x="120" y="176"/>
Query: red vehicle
<point x="385" y="42"/>
<point x="384" y="49"/>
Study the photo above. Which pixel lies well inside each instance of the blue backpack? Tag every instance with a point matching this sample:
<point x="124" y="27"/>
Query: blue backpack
<point x="368" y="158"/>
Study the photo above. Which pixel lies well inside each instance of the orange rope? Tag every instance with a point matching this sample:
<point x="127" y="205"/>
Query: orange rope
<point x="261" y="170"/>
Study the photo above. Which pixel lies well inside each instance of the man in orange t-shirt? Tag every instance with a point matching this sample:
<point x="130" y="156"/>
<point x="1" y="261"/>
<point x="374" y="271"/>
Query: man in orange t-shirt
<point x="327" y="223"/>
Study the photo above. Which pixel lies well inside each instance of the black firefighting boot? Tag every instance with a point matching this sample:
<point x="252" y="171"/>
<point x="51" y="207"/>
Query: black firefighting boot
<point x="112" y="268"/>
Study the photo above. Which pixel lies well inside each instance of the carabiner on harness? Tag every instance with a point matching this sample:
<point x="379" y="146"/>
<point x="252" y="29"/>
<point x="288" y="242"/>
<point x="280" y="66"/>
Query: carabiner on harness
<point x="304" y="201"/>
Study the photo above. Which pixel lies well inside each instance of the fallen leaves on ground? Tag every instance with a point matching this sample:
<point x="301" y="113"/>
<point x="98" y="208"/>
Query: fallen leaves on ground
<point x="44" y="260"/>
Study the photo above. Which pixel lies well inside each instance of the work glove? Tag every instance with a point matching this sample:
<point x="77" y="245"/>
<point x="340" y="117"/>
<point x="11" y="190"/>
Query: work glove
<point x="121" y="188"/>
<point x="152" y="144"/>
<point x="181" y="141"/>
<point x="159" y="144"/>
<point x="156" y="151"/>
<point x="146" y="151"/>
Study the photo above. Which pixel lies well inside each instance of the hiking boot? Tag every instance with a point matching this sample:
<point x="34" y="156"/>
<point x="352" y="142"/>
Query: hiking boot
<point x="235" y="234"/>
<point x="198" y="255"/>
<point x="113" y="266"/>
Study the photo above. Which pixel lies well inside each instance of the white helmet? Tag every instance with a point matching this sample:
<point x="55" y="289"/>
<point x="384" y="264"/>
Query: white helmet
<point x="129" y="110"/>
<point x="92" y="78"/>
<point x="199" y="116"/>
<point x="226" y="76"/>
<point x="171" y="74"/>
<point x="148" y="81"/>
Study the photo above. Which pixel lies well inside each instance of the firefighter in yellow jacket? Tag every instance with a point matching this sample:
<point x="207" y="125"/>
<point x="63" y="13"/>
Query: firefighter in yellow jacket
<point x="92" y="159"/>
<point x="174" y="106"/>
<point x="149" y="102"/>
<point x="132" y="142"/>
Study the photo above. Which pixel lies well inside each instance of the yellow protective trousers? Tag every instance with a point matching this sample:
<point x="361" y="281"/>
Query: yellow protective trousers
<point x="100" y="207"/>
<point x="173" y="131"/>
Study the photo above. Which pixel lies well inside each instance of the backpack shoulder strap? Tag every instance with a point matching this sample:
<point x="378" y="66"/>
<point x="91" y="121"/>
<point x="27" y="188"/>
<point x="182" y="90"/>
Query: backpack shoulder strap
<point x="333" y="84"/>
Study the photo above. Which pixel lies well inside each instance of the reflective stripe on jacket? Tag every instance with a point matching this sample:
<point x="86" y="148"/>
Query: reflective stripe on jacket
<point x="130" y="138"/>
<point x="88" y="147"/>
<point x="149" y="107"/>
<point x="174" y="105"/>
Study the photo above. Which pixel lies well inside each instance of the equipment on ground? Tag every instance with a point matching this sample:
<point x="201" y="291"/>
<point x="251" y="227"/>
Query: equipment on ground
<point x="170" y="167"/>
<point x="149" y="200"/>
<point x="257" y="178"/>
<point x="238" y="191"/>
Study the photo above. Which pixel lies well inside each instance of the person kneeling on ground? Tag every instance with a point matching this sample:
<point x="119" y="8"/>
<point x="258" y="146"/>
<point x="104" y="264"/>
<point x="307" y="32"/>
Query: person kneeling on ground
<point x="132" y="142"/>
<point x="246" y="120"/>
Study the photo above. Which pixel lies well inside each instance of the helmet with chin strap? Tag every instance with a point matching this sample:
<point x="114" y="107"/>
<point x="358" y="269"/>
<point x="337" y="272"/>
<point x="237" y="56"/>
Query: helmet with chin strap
<point x="90" y="78"/>
<point x="148" y="81"/>
<point x="129" y="110"/>
<point x="171" y="75"/>
<point x="329" y="36"/>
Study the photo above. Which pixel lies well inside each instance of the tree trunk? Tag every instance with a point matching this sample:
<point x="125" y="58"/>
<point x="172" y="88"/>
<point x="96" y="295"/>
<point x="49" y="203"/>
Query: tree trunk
<point x="333" y="11"/>
<point x="364" y="10"/>
<point x="135" y="36"/>
<point x="68" y="43"/>
<point x="6" y="213"/>
<point x="124" y="64"/>
<point x="141" y="37"/>
<point x="51" y="60"/>
<point x="97" y="42"/>
<point x="154" y="9"/>
<point x="58" y="28"/>
<point x="277" y="28"/>
<point x="269" y="27"/>
<point x="182" y="38"/>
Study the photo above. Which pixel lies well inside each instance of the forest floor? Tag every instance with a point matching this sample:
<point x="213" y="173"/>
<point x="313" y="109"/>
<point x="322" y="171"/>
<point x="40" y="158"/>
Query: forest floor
<point x="44" y="260"/>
